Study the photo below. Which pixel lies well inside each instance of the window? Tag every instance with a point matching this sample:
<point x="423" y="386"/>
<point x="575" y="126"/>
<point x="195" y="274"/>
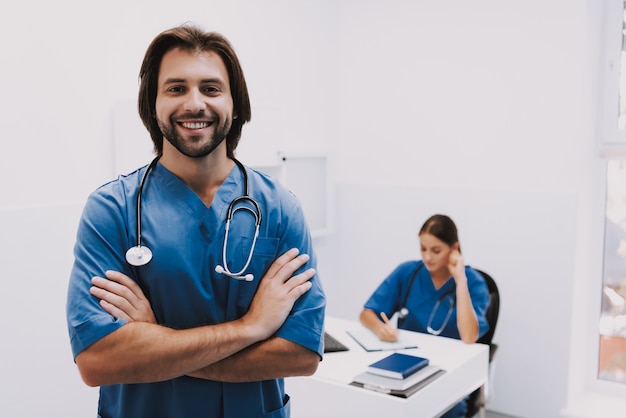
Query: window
<point x="612" y="322"/>
<point x="612" y="346"/>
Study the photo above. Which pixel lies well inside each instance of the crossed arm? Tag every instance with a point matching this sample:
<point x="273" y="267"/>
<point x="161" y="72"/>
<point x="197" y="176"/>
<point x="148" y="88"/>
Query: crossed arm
<point x="241" y="350"/>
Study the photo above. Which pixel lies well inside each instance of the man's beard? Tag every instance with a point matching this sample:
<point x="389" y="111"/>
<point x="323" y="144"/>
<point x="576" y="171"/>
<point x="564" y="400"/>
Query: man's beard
<point x="191" y="147"/>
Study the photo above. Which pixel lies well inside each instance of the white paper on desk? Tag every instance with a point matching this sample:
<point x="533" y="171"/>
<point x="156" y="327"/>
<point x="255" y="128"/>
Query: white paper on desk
<point x="370" y="341"/>
<point x="383" y="382"/>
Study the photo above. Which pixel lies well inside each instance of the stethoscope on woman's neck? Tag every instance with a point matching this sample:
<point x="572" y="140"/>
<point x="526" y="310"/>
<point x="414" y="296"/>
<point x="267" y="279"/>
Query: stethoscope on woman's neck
<point x="140" y="255"/>
<point x="450" y="294"/>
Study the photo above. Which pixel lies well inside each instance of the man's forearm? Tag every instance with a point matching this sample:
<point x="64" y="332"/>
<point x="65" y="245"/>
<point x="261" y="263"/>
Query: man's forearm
<point x="141" y="352"/>
<point x="270" y="359"/>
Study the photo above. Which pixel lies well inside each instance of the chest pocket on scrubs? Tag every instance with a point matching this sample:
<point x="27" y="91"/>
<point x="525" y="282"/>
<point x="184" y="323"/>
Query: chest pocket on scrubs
<point x="265" y="252"/>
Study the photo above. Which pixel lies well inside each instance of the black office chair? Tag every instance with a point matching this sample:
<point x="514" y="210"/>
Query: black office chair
<point x="477" y="400"/>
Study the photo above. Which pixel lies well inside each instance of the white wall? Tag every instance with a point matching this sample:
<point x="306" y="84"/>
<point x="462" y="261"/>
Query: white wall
<point x="478" y="110"/>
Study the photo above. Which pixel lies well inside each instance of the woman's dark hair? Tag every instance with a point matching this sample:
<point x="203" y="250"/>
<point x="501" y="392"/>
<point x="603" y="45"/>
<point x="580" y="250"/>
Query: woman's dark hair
<point x="193" y="39"/>
<point x="442" y="227"/>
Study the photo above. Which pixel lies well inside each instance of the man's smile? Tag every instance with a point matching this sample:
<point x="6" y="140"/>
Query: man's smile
<point x="194" y="125"/>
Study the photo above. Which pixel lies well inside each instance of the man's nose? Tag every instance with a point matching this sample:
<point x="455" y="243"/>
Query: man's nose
<point x="194" y="101"/>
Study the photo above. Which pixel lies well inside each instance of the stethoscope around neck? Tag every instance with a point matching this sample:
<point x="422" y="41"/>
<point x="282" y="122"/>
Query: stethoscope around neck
<point x="140" y="255"/>
<point x="450" y="294"/>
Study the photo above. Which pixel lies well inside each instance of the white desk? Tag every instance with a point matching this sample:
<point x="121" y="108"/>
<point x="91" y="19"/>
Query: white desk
<point x="328" y="394"/>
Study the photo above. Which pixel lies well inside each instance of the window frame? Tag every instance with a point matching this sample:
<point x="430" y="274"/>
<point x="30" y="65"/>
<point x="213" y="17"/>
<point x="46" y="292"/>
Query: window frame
<point x="611" y="139"/>
<point x="610" y="145"/>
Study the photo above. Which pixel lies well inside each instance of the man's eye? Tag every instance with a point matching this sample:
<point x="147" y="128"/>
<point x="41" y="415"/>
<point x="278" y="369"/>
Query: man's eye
<point x="176" y="89"/>
<point x="211" y="90"/>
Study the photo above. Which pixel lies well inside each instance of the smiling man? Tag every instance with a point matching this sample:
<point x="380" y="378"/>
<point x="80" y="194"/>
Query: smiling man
<point x="177" y="333"/>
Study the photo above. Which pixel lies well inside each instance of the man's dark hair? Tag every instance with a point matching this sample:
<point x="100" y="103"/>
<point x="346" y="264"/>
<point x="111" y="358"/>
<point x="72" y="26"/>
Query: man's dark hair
<point x="193" y="39"/>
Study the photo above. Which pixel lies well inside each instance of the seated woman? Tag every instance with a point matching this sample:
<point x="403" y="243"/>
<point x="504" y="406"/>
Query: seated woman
<point x="438" y="295"/>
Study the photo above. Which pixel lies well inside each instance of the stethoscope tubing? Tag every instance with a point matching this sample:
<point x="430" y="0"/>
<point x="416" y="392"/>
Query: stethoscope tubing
<point x="438" y="331"/>
<point x="232" y="209"/>
<point x="404" y="311"/>
<point x="140" y="255"/>
<point x="139" y="199"/>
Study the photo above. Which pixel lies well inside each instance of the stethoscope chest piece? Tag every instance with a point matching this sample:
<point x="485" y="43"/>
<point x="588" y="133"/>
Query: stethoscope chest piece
<point x="138" y="255"/>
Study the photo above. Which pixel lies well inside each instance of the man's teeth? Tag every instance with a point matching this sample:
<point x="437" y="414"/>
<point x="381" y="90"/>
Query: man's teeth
<point x="195" y="125"/>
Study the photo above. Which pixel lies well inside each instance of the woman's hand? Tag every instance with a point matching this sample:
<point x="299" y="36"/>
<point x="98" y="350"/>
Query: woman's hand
<point x="456" y="265"/>
<point x="383" y="329"/>
<point x="387" y="332"/>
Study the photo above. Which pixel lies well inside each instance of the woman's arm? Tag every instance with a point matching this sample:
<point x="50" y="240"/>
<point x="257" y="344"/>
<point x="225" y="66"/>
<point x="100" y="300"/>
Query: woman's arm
<point x="466" y="317"/>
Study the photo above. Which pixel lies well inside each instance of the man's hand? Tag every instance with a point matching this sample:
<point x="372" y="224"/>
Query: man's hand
<point x="122" y="297"/>
<point x="277" y="293"/>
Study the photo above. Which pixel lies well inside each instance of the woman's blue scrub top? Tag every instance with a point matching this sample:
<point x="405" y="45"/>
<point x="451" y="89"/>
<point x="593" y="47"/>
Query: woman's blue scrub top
<point x="391" y="296"/>
<point x="186" y="238"/>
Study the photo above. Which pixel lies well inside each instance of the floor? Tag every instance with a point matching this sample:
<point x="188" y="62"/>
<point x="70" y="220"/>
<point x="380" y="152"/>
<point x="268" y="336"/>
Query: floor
<point x="496" y="415"/>
<point x="491" y="414"/>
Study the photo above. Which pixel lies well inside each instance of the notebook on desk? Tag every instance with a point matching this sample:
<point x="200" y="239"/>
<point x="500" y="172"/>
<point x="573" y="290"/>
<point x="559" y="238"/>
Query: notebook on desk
<point x="398" y="365"/>
<point x="370" y="341"/>
<point x="396" y="387"/>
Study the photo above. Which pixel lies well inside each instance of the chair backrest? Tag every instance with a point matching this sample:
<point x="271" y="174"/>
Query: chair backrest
<point x="477" y="399"/>
<point x="493" y="310"/>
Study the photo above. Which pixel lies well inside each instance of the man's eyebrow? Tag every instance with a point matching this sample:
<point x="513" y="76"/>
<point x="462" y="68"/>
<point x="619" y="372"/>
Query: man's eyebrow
<point x="213" y="80"/>
<point x="174" y="80"/>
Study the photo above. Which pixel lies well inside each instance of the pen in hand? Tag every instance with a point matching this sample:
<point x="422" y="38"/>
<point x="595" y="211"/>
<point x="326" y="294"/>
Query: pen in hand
<point x="388" y="332"/>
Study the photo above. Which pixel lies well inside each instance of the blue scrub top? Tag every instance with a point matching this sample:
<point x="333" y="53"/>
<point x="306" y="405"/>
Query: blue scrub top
<point x="186" y="239"/>
<point x="391" y="296"/>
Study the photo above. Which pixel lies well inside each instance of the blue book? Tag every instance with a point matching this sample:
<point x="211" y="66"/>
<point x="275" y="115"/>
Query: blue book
<point x="398" y="365"/>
